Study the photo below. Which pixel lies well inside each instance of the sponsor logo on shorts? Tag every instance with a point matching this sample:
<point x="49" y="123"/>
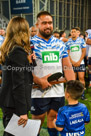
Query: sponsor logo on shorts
<point x="32" y="108"/>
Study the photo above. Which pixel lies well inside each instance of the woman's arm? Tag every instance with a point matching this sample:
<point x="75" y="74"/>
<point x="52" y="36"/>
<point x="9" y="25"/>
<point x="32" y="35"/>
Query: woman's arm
<point x="18" y="58"/>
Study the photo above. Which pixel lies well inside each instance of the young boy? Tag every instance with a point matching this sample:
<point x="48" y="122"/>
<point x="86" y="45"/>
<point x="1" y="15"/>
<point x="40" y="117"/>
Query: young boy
<point x="71" y="119"/>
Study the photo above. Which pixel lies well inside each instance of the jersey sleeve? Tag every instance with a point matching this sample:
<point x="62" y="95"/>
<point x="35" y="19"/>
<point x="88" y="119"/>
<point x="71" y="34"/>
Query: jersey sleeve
<point x="87" y="116"/>
<point x="89" y="37"/>
<point x="83" y="44"/>
<point x="60" y="118"/>
<point x="63" y="51"/>
<point x="36" y="48"/>
<point x="67" y="46"/>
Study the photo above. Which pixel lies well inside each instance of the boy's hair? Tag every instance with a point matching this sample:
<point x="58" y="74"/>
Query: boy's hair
<point x="43" y="13"/>
<point x="75" y="88"/>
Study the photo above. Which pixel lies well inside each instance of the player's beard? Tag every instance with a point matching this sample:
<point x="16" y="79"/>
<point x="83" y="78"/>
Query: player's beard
<point x="45" y="34"/>
<point x="73" y="36"/>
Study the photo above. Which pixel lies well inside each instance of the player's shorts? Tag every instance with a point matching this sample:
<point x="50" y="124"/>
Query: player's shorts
<point x="89" y="60"/>
<point x="42" y="105"/>
<point x="81" y="68"/>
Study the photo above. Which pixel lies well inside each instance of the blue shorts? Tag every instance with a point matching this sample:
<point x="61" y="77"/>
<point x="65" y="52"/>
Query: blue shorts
<point x="89" y="61"/>
<point x="42" y="105"/>
<point x="81" y="68"/>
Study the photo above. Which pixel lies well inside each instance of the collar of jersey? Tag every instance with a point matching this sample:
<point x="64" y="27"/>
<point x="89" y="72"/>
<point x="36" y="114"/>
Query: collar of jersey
<point x="74" y="104"/>
<point x="44" y="39"/>
<point x="75" y="40"/>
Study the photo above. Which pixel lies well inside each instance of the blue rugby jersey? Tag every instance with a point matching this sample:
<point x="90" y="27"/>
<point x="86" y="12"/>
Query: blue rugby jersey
<point x="73" y="118"/>
<point x="75" y="48"/>
<point x="49" y="60"/>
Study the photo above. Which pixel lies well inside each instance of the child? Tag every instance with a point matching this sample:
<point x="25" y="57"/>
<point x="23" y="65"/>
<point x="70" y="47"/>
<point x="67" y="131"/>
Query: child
<point x="71" y="119"/>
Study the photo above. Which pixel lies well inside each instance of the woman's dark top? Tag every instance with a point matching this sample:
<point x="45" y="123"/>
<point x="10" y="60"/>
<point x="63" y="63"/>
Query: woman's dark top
<point x="16" y="81"/>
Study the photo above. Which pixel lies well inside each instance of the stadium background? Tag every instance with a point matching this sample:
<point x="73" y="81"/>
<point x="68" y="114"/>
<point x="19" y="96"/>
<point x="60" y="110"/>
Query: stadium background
<point x="66" y="14"/>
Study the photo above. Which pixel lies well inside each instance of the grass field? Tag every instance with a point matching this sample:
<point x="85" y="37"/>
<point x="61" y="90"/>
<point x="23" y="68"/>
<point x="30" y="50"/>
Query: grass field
<point x="44" y="128"/>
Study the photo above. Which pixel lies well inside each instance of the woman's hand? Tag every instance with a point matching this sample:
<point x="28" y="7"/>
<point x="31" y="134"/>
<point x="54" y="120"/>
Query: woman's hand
<point x="23" y="120"/>
<point x="31" y="56"/>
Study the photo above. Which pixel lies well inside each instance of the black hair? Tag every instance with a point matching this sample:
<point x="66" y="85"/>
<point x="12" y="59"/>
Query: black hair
<point x="73" y="28"/>
<point x="43" y="13"/>
<point x="77" y="28"/>
<point x="61" y="33"/>
<point x="75" y="88"/>
<point x="56" y="32"/>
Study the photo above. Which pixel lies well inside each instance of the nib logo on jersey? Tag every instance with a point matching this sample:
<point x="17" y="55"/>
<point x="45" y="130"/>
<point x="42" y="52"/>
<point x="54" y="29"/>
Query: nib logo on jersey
<point x="50" y="56"/>
<point x="75" y="48"/>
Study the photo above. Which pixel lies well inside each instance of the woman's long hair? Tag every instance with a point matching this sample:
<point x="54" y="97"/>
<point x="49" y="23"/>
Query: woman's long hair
<point x="17" y="33"/>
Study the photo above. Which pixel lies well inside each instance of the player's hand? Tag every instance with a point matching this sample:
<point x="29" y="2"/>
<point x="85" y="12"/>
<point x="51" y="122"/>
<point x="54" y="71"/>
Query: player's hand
<point x="73" y="62"/>
<point x="44" y="82"/>
<point x="77" y="64"/>
<point x="23" y="120"/>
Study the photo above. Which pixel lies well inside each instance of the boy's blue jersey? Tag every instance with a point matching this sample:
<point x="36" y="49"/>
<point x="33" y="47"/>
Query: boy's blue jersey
<point x="73" y="118"/>
<point x="1" y="39"/>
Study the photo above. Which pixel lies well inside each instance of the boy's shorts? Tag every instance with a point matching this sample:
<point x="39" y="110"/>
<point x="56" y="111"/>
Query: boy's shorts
<point x="81" y="68"/>
<point x="42" y="105"/>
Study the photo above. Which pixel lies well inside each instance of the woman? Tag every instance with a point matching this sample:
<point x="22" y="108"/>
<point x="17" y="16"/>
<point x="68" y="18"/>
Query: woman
<point x="17" y="77"/>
